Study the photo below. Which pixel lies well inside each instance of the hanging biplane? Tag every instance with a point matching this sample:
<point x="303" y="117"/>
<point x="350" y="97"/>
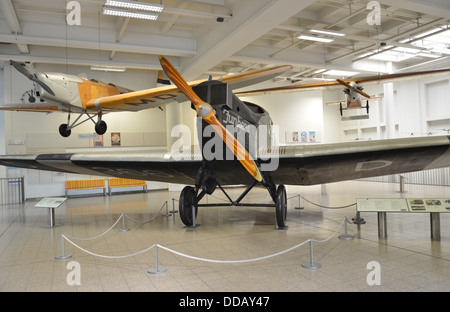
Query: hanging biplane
<point x="269" y="166"/>
<point x="58" y="92"/>
<point x="354" y="94"/>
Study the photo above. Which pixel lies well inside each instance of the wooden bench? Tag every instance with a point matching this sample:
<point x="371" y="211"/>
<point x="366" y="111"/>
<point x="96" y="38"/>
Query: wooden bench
<point x="120" y="182"/>
<point x="88" y="184"/>
<point x="433" y="206"/>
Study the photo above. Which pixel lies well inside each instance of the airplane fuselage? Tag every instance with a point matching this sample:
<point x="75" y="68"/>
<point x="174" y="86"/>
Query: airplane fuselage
<point x="248" y="122"/>
<point x="72" y="93"/>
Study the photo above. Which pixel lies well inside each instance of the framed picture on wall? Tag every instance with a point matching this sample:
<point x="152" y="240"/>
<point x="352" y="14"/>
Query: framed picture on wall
<point x="312" y="137"/>
<point x="303" y="137"/>
<point x="115" y="139"/>
<point x="98" y="142"/>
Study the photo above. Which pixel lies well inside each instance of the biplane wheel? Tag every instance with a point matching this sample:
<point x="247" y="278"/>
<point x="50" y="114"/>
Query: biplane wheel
<point x="281" y="206"/>
<point x="340" y="108"/>
<point x="64" y="131"/>
<point x="187" y="204"/>
<point x="100" y="127"/>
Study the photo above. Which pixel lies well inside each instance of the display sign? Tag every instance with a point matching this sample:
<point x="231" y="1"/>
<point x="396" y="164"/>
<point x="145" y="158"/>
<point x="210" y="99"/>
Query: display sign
<point x="50" y="202"/>
<point x="382" y="205"/>
<point x="429" y="205"/>
<point x="403" y="204"/>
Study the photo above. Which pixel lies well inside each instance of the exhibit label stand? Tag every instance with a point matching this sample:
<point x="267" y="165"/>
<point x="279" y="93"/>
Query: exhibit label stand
<point x="51" y="203"/>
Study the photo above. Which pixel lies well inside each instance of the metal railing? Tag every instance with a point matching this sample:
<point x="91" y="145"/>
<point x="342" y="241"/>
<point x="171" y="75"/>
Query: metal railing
<point x="12" y="191"/>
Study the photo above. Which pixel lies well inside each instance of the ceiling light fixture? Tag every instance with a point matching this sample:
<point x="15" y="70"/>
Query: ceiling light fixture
<point x="333" y="72"/>
<point x="314" y="38"/>
<point x="129" y="4"/>
<point x="124" y="13"/>
<point x="327" y="32"/>
<point x="108" y="68"/>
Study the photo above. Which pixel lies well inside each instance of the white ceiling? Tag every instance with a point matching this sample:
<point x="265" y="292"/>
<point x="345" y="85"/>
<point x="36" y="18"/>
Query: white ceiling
<point x="254" y="34"/>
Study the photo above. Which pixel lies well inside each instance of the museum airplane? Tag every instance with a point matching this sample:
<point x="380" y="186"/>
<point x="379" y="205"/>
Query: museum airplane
<point x="58" y="92"/>
<point x="354" y="94"/>
<point x="269" y="166"/>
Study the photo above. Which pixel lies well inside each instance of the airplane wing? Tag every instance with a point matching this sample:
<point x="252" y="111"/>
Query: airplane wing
<point x="156" y="97"/>
<point x="32" y="107"/>
<point x="328" y="84"/>
<point x="307" y="164"/>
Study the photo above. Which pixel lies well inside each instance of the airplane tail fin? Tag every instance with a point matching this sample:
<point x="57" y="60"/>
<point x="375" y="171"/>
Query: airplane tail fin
<point x="162" y="78"/>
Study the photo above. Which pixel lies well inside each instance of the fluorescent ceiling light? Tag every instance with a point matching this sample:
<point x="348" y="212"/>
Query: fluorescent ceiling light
<point x="313" y="38"/>
<point x="340" y="73"/>
<point x="108" y="68"/>
<point x="320" y="71"/>
<point x="392" y="56"/>
<point x="144" y="6"/>
<point x="327" y="32"/>
<point x="124" y="13"/>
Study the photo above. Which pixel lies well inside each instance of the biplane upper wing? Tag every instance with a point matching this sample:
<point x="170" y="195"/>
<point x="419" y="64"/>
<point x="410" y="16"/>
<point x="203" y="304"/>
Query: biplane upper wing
<point x="360" y="80"/>
<point x="156" y="97"/>
<point x="32" y="107"/>
<point x="297" y="165"/>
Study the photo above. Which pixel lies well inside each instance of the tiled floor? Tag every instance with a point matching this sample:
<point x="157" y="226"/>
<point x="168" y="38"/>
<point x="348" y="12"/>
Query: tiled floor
<point x="409" y="260"/>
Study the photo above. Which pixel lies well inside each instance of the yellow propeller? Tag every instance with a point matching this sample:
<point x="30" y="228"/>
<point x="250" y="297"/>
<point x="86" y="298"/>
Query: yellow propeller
<point x="206" y="112"/>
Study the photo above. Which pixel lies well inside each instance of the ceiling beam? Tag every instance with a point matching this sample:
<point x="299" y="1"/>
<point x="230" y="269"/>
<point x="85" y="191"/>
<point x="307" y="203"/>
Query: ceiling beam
<point x="105" y="46"/>
<point x="251" y="20"/>
<point x="10" y="15"/>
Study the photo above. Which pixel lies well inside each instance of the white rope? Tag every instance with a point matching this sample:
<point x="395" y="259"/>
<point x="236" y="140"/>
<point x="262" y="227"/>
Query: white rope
<point x="233" y="261"/>
<point x="203" y="259"/>
<point x="108" y="257"/>
<point x="145" y="221"/>
<point x="326" y="240"/>
<point x="115" y="223"/>
<point x="87" y="239"/>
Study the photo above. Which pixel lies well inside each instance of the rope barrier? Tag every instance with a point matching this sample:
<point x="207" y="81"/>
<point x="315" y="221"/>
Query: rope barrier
<point x="115" y="223"/>
<point x="63" y="256"/>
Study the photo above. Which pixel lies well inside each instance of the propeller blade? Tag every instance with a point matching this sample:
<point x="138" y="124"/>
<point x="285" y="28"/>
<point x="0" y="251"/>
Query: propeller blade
<point x="23" y="70"/>
<point x="205" y="111"/>
<point x="344" y="83"/>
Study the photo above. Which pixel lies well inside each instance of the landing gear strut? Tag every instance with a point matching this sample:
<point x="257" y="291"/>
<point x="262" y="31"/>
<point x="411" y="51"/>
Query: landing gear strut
<point x="206" y="183"/>
<point x="100" y="126"/>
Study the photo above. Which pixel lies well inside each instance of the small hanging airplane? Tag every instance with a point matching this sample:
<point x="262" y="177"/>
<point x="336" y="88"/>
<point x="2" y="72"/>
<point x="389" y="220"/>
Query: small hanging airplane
<point x="58" y="92"/>
<point x="353" y="89"/>
<point x="227" y="128"/>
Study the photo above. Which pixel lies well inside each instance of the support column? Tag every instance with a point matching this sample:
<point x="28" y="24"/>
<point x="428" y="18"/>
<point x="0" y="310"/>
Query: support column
<point x="382" y="225"/>
<point x="2" y="119"/>
<point x="388" y="100"/>
<point x="435" y="225"/>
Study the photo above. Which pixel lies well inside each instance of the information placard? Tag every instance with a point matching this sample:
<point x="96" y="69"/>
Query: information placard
<point x="382" y="205"/>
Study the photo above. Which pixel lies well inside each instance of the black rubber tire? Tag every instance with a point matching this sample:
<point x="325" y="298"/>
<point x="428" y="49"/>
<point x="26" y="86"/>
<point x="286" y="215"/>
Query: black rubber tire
<point x="63" y="130"/>
<point x="101" y="127"/>
<point x="281" y="206"/>
<point x="187" y="203"/>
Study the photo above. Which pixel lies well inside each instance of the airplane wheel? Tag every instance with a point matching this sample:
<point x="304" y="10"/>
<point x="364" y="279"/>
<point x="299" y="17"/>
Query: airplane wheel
<point x="64" y="131"/>
<point x="100" y="127"/>
<point x="281" y="206"/>
<point x="187" y="203"/>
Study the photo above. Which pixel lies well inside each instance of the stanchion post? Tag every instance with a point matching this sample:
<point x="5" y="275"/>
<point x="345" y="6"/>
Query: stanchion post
<point x="123" y="229"/>
<point x="173" y="206"/>
<point x="311" y="265"/>
<point x="346" y="236"/>
<point x="167" y="210"/>
<point x="299" y="206"/>
<point x="63" y="256"/>
<point x="157" y="269"/>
